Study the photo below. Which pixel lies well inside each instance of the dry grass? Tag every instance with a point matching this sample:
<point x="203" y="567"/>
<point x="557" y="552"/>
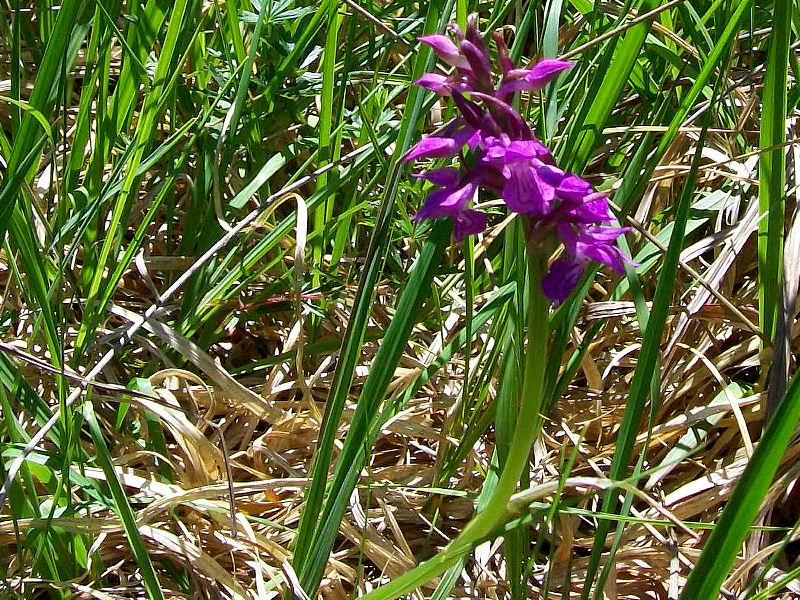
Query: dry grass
<point x="253" y="434"/>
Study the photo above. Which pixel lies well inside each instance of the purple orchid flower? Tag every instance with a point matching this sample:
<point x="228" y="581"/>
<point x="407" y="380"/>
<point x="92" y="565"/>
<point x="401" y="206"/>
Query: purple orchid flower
<point x="583" y="244"/>
<point x="435" y="82"/>
<point x="506" y="159"/>
<point x="445" y="49"/>
<point x="451" y="200"/>
<point x="562" y="277"/>
<point x="594" y="243"/>
<point x="533" y="79"/>
<point x="442" y="146"/>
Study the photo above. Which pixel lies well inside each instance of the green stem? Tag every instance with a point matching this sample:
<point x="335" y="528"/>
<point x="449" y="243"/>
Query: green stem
<point x="528" y="419"/>
<point x="497" y="510"/>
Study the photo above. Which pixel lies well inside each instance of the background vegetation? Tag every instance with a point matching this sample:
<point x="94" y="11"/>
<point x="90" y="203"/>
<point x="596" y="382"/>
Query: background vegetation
<point x="210" y="318"/>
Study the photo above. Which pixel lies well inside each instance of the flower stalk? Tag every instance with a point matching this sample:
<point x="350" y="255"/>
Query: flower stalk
<point x="528" y="423"/>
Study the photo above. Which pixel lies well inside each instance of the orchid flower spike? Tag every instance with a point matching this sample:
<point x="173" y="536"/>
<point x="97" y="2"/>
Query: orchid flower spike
<point x="499" y="154"/>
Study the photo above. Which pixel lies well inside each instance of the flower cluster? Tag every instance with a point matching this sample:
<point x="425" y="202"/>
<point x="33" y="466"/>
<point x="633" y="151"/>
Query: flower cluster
<point x="499" y="153"/>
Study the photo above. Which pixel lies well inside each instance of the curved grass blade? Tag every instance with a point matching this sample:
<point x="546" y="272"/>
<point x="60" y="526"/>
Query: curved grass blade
<point x="310" y="520"/>
<point x="123" y="507"/>
<point x="729" y="531"/>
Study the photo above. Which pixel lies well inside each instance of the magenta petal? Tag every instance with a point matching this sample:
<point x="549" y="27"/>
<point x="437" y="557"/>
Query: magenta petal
<point x="606" y="254"/>
<point x="478" y="60"/>
<point x="500" y="151"/>
<point x="434" y="82"/>
<point x="446" y="49"/>
<point x="434" y="146"/>
<point x="472" y="33"/>
<point x="525" y="193"/>
<point x="446" y="202"/>
<point x="604" y="234"/>
<point x="475" y="138"/>
<point x="535" y="78"/>
<point x="447" y="177"/>
<point x="546" y="69"/>
<point x="552" y="176"/>
<point x="453" y="201"/>
<point x="511" y="87"/>
<point x="590" y="210"/>
<point x="468" y="222"/>
<point x="456" y="29"/>
<point x="596" y="243"/>
<point x="518" y="190"/>
<point x="536" y="148"/>
<point x="574" y="188"/>
<point x="526" y="150"/>
<point x="562" y="278"/>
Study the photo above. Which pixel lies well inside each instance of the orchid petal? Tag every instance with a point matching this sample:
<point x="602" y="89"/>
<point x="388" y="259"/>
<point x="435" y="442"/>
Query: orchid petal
<point x="533" y="79"/>
<point x="590" y="210"/>
<point x="524" y="192"/>
<point x="561" y="278"/>
<point x="468" y="222"/>
<point x="596" y="243"/>
<point x="439" y="146"/>
<point x="447" y="177"/>
<point x="446" y="49"/>
<point x="435" y="82"/>
<point x="446" y="202"/>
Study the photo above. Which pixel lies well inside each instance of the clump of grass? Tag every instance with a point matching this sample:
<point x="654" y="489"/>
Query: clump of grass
<point x="233" y="366"/>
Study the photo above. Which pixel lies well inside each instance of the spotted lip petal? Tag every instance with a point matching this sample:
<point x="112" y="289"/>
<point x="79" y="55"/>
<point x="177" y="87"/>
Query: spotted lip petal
<point x="525" y="191"/>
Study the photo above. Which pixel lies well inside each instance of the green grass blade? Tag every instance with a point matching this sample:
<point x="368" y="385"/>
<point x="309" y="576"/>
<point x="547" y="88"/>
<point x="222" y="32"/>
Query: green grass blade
<point x="725" y="541"/>
<point x="353" y="340"/>
<point x="42" y="100"/>
<point x="771" y="193"/>
<point x="354" y="451"/>
<point x="606" y="89"/>
<point x="123" y="507"/>
<point x="145" y="132"/>
<point x="646" y="364"/>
